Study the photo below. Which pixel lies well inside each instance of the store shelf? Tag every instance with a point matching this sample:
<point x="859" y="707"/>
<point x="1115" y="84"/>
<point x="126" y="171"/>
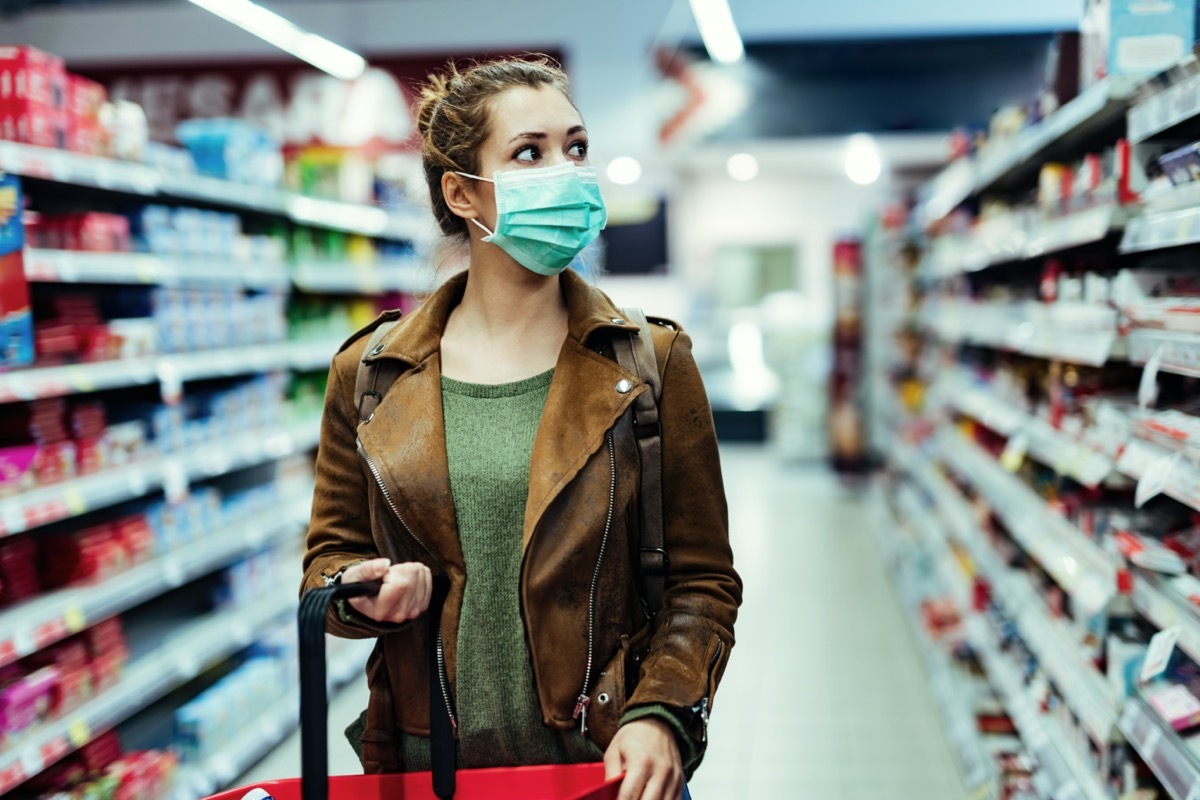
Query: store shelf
<point x="178" y="659"/>
<point x="1015" y="238"/>
<point x="1183" y="481"/>
<point x="1084" y="689"/>
<point x="1161" y="603"/>
<point x="39" y="382"/>
<point x="1056" y="449"/>
<point x="273" y="725"/>
<point x="1164" y="109"/>
<point x="1063" y="776"/>
<point x="79" y="496"/>
<point x="81" y="170"/>
<point x="1075" y="562"/>
<point x="1180" y="351"/>
<point x="1171" y="760"/>
<point x="954" y="703"/>
<point x="1163" y="229"/>
<point x="344" y="278"/>
<point x="132" y="178"/>
<point x="1018" y="160"/>
<point x="1077" y="333"/>
<point x="67" y="266"/>
<point x="39" y="623"/>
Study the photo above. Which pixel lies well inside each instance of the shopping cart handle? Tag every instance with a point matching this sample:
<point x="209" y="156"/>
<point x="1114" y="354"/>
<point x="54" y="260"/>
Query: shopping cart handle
<point x="314" y="725"/>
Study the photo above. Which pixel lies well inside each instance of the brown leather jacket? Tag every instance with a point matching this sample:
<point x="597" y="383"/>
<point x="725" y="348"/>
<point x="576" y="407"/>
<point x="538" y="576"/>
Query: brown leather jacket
<point x="383" y="489"/>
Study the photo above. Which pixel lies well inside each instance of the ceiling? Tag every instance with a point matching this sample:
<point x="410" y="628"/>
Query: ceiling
<point x="914" y="66"/>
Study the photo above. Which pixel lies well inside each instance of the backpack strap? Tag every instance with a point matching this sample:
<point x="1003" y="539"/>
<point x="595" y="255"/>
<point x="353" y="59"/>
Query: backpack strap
<point x="374" y="378"/>
<point x="636" y="354"/>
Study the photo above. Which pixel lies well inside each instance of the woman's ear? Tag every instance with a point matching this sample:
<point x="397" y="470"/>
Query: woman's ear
<point x="456" y="191"/>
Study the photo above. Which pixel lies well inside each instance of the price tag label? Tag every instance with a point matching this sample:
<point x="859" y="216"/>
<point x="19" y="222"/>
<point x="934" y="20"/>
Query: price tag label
<point x="170" y="381"/>
<point x="1015" y="452"/>
<point x="75" y="618"/>
<point x="76" y="502"/>
<point x="1155" y="479"/>
<point x="11" y="517"/>
<point x="1150" y="746"/>
<point x="1148" y="388"/>
<point x="1159" y="653"/>
<point x="173" y="572"/>
<point x="31" y="761"/>
<point x="175" y="481"/>
<point x="79" y="733"/>
<point x="81" y="380"/>
<point x="187" y="666"/>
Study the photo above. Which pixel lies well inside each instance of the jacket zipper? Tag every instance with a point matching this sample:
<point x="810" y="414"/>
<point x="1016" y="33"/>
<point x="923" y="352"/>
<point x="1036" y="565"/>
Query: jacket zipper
<point x="702" y="707"/>
<point x="584" y="700"/>
<point x="443" y="680"/>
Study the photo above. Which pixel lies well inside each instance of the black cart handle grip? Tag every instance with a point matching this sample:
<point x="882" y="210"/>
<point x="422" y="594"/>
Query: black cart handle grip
<point x="314" y="723"/>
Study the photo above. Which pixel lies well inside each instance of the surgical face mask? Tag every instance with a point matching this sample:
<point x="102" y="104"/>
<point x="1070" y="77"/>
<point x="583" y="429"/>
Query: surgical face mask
<point x="545" y="216"/>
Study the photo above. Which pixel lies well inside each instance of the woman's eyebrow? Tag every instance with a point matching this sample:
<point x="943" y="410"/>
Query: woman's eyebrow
<point x="541" y="135"/>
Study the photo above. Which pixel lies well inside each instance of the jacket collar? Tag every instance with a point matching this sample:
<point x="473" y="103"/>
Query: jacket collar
<point x="418" y="335"/>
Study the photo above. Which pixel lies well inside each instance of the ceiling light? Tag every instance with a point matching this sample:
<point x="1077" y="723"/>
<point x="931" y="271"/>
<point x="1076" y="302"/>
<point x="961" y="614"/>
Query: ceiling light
<point x="624" y="170"/>
<point x="863" y="163"/>
<point x="717" y="29"/>
<point x="286" y="35"/>
<point x="742" y="167"/>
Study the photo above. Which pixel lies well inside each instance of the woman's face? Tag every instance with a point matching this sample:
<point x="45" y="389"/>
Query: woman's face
<point x="531" y="128"/>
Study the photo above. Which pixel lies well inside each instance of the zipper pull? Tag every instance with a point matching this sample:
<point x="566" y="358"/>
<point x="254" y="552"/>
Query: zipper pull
<point x="702" y="710"/>
<point x="581" y="708"/>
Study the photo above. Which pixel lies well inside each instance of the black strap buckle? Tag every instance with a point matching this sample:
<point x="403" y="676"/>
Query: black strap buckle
<point x="655" y="561"/>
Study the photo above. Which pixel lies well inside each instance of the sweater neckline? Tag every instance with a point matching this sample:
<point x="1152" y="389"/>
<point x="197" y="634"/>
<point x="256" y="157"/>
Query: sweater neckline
<point x="491" y="391"/>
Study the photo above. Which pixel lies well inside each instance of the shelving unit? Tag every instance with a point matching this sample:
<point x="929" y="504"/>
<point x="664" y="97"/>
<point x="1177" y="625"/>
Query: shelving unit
<point x="273" y="725"/>
<point x="1016" y="238"/>
<point x="1018" y="160"/>
<point x="67" y="266"/>
<point x="966" y="486"/>
<point x="242" y="456"/>
<point x="39" y="382"/>
<point x="49" y="618"/>
<point x="184" y="655"/>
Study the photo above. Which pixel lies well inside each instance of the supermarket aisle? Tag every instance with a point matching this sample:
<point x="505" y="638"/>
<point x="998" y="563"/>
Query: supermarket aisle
<point x="824" y="697"/>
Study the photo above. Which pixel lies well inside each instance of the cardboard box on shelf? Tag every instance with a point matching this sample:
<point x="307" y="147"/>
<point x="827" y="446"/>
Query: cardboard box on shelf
<point x="30" y="75"/>
<point x="1134" y="38"/>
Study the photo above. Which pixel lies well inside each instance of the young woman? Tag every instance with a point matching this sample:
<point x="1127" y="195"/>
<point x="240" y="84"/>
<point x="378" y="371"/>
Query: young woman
<point x="503" y="458"/>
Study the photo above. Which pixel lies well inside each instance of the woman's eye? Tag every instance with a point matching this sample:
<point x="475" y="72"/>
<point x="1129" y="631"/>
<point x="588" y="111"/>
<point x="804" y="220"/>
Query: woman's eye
<point x="578" y="150"/>
<point x="528" y="153"/>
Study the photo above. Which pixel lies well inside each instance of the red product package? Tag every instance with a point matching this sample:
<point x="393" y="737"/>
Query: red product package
<point x="31" y="75"/>
<point x="18" y="570"/>
<point x="85" y="97"/>
<point x="34" y="124"/>
<point x="135" y="536"/>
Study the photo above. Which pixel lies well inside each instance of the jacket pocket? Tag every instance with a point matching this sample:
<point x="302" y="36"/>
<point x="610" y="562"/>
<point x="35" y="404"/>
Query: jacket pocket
<point x="378" y="752"/>
<point x="614" y="686"/>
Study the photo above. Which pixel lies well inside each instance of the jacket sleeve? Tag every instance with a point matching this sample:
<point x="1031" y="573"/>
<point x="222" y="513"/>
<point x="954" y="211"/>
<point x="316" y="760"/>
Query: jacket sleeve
<point x="693" y="632"/>
<point x="339" y="530"/>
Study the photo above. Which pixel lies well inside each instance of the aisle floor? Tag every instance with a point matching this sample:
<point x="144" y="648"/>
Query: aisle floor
<point x="824" y="697"/>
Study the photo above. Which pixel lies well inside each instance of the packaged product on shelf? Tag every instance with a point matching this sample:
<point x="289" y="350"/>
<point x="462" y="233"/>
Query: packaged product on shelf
<point x="26" y="698"/>
<point x="16" y="313"/>
<point x="1134" y="38"/>
<point x="87" y="231"/>
<point x="32" y="97"/>
<point x="18" y="570"/>
<point x="100" y="770"/>
<point x="332" y="173"/>
<point x="125" y="127"/>
<point x="232" y="149"/>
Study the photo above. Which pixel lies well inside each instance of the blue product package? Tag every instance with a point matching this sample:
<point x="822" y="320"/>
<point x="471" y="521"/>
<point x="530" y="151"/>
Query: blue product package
<point x="1145" y="37"/>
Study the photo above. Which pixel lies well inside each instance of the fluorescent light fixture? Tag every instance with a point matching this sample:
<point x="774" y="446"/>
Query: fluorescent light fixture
<point x="742" y="167"/>
<point x="286" y="35"/>
<point x="717" y="29"/>
<point x="863" y="162"/>
<point x="624" y="170"/>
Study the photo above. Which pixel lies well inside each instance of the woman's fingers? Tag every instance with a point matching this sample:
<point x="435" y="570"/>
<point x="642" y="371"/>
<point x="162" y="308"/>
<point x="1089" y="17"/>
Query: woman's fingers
<point x="366" y="571"/>
<point x="404" y="595"/>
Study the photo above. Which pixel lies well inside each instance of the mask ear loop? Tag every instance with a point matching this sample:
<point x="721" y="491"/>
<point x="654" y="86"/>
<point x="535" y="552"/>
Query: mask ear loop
<point x="481" y="226"/>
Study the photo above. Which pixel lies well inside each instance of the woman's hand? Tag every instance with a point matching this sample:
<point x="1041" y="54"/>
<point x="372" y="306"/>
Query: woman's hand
<point x="646" y="751"/>
<point x="404" y="595"/>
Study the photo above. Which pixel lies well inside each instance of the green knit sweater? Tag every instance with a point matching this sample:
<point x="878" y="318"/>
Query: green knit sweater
<point x="490" y="429"/>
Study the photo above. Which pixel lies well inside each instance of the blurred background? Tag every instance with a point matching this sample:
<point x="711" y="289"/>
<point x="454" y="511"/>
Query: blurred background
<point x="937" y="259"/>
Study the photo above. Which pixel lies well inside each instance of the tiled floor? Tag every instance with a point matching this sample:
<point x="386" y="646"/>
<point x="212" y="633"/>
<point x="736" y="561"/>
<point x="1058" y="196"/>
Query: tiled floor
<point x="824" y="698"/>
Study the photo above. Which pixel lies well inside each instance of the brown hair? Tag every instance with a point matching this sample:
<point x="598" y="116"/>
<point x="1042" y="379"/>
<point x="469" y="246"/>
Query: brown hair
<point x="454" y="115"/>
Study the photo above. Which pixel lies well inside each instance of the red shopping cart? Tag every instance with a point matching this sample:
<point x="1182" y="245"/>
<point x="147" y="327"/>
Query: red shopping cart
<point x="569" y="782"/>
